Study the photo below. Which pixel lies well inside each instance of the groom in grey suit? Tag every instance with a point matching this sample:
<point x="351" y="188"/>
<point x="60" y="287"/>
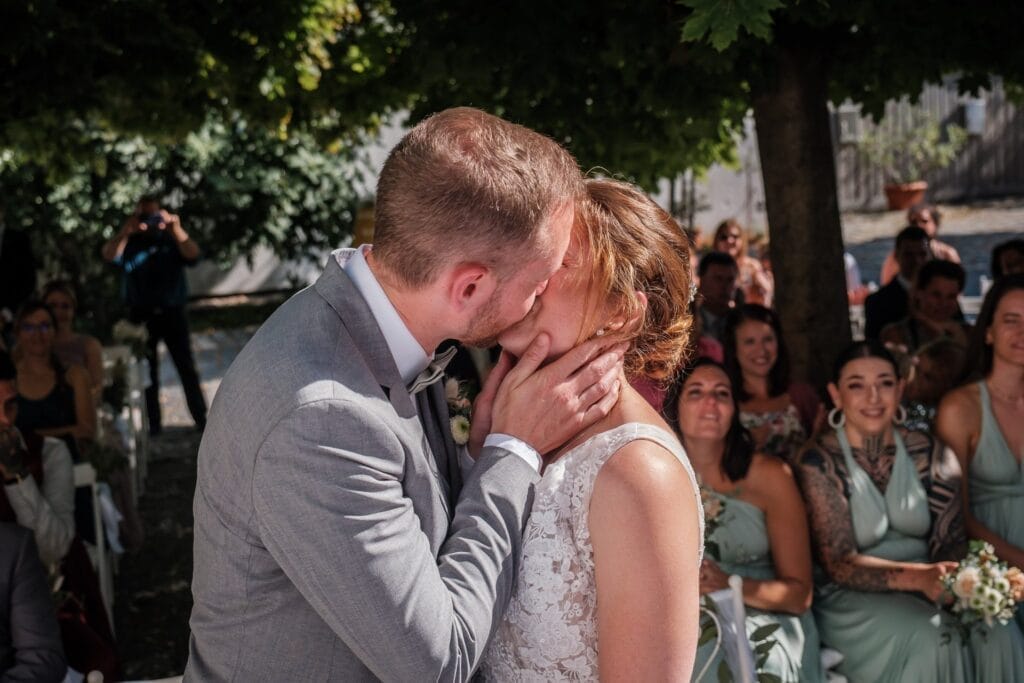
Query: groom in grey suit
<point x="337" y="535"/>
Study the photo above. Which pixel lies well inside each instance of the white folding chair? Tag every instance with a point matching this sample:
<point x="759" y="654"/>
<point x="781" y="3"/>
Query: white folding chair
<point x="85" y="475"/>
<point x="732" y="629"/>
<point x="134" y="413"/>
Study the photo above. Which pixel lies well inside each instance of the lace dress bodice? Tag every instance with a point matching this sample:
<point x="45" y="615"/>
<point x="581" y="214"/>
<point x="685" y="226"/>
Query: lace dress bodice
<point x="550" y="629"/>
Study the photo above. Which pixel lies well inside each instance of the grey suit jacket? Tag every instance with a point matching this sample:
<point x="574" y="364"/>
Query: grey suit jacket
<point x="30" y="647"/>
<point x="325" y="546"/>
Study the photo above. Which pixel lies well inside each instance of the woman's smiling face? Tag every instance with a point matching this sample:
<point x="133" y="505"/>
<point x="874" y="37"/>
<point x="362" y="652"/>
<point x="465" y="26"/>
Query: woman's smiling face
<point x="705" y="404"/>
<point x="868" y="392"/>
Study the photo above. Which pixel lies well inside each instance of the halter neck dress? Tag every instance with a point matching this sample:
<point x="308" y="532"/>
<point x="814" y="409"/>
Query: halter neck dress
<point x="996" y="482"/>
<point x="744" y="549"/>
<point x="895" y="636"/>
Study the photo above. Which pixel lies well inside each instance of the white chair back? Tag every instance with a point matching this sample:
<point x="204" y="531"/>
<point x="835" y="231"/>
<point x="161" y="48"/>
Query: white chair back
<point x="732" y="617"/>
<point x="85" y="476"/>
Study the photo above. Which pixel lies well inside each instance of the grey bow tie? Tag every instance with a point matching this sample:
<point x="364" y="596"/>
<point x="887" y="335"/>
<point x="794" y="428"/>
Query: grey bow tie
<point x="433" y="372"/>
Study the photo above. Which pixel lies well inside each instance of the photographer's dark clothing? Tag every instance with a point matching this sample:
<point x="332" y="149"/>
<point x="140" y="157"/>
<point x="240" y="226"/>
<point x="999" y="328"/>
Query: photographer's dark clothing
<point x="156" y="293"/>
<point x="171" y="325"/>
<point x="154" y="271"/>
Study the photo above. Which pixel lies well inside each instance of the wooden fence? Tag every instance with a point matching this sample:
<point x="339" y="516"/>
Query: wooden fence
<point x="990" y="165"/>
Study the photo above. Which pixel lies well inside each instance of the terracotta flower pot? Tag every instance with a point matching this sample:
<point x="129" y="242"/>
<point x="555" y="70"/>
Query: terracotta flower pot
<point x="904" y="195"/>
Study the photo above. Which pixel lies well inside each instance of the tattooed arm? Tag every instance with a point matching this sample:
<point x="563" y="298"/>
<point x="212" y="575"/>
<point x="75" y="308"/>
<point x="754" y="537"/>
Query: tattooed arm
<point x="940" y="475"/>
<point x="824" y="482"/>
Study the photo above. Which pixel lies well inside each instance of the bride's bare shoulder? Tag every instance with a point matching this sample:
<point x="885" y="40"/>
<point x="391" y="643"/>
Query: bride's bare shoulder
<point x="641" y="473"/>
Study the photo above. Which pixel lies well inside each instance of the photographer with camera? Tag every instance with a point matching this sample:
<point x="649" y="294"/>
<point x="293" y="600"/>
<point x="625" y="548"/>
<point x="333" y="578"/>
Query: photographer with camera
<point x="152" y="249"/>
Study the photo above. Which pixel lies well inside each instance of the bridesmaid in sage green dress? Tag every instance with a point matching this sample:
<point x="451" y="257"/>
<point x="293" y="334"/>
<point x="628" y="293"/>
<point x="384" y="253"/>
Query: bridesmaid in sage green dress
<point x="878" y="529"/>
<point x="762" y="529"/>
<point x="983" y="422"/>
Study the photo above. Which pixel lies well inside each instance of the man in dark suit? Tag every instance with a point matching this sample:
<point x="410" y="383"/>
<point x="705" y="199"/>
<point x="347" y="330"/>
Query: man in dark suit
<point x="892" y="302"/>
<point x="30" y="647"/>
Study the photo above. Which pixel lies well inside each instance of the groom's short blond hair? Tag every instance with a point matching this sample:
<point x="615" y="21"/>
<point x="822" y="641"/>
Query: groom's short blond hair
<point x="464" y="185"/>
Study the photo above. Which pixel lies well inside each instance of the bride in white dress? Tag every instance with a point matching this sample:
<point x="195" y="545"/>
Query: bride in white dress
<point x="608" y="585"/>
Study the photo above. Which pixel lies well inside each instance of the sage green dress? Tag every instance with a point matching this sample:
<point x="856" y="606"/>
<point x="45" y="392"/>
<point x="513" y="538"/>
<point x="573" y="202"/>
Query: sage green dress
<point x="892" y="636"/>
<point x="996" y="482"/>
<point x="744" y="549"/>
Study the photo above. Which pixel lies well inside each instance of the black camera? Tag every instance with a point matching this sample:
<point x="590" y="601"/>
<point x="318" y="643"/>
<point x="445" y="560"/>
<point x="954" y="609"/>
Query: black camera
<point x="151" y="220"/>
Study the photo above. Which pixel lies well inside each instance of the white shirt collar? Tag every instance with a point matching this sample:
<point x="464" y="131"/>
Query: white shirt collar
<point x="409" y="356"/>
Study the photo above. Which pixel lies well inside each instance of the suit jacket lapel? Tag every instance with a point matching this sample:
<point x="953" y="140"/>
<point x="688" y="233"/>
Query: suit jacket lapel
<point x="446" y="452"/>
<point x="341" y="295"/>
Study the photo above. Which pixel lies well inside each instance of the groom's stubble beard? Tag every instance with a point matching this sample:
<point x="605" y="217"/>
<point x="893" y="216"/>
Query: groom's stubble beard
<point x="487" y="328"/>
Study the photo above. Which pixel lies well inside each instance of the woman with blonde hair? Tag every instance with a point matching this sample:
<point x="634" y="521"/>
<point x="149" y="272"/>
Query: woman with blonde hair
<point x="71" y="347"/>
<point x="608" y="583"/>
<point x="754" y="282"/>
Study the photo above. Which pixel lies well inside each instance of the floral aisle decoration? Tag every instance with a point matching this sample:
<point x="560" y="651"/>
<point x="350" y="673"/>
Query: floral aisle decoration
<point x="131" y="335"/>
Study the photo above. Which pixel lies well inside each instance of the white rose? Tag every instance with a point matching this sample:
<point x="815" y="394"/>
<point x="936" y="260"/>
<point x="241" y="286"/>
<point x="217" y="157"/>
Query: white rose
<point x="460" y="429"/>
<point x="967" y="580"/>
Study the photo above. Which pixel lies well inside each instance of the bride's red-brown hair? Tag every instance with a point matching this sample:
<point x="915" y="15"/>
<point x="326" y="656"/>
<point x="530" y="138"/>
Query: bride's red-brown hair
<point x="636" y="246"/>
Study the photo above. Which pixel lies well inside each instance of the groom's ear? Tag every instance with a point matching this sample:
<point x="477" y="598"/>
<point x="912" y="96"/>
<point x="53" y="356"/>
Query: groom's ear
<point x="468" y="285"/>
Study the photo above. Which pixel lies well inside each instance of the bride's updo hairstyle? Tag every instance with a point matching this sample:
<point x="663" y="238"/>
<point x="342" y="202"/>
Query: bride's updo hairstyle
<point x="634" y="245"/>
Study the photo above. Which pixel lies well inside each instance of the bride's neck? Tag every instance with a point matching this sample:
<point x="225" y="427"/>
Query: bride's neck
<point x="627" y="394"/>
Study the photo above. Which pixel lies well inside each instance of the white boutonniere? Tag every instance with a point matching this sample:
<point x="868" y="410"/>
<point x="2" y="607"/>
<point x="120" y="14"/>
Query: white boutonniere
<point x="459" y="409"/>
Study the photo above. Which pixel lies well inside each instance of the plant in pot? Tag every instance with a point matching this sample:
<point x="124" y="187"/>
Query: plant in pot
<point x="906" y="154"/>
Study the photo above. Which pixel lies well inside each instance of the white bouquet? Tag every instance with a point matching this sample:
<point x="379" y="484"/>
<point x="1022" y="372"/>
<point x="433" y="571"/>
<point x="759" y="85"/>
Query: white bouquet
<point x="984" y="588"/>
<point x="129" y="334"/>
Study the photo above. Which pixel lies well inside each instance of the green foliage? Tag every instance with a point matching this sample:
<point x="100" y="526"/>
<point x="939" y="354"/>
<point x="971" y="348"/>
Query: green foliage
<point x="609" y="79"/>
<point x="235" y="186"/>
<point x="160" y="67"/>
<point x="721" y="20"/>
<point x="907" y="154"/>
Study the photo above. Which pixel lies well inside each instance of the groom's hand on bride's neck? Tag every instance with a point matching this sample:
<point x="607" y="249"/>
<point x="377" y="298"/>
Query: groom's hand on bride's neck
<point x="546" y="406"/>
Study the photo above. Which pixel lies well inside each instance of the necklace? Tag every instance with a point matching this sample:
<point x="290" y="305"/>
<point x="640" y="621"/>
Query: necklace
<point x="1009" y="398"/>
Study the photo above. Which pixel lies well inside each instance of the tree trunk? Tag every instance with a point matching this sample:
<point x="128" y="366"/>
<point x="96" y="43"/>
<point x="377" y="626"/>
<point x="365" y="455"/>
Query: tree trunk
<point x="795" y="144"/>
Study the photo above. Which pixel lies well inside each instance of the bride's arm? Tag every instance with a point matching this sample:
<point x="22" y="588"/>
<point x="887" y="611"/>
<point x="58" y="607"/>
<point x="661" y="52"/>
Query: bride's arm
<point x="645" y="533"/>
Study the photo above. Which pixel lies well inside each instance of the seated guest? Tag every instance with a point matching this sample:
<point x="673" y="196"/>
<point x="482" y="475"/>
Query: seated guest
<point x="38" y="494"/>
<point x="926" y="217"/>
<point x="1008" y="258"/>
<point x="73" y="348"/>
<point x="53" y="400"/>
<point x="761" y="532"/>
<point x="754" y="283"/>
<point x="983" y="422"/>
<point x="779" y="412"/>
<point x="29" y="640"/>
<point x="881" y="514"/>
<point x="892" y="302"/>
<point x="935" y="369"/>
<point x="935" y="310"/>
<point x="718" y="273"/>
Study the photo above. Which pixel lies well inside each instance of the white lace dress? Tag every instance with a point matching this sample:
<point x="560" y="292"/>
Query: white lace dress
<point x="550" y="629"/>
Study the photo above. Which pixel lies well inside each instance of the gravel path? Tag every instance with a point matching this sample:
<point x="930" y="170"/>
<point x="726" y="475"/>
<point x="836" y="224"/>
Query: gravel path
<point x="153" y="596"/>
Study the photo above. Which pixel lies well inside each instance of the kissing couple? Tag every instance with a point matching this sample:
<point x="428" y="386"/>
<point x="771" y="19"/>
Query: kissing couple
<point x="340" y="534"/>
